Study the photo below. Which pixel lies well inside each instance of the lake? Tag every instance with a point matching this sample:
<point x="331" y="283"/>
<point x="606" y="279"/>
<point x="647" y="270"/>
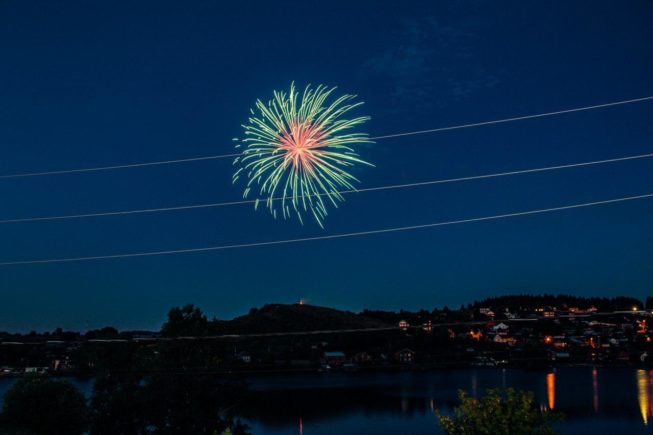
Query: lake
<point x="593" y="400"/>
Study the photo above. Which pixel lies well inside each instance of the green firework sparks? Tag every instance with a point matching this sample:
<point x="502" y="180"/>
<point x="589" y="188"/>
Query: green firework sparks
<point x="297" y="152"/>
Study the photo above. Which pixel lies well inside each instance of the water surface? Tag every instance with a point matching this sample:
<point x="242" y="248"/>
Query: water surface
<point x="593" y="400"/>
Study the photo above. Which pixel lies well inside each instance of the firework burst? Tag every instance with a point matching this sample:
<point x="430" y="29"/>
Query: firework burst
<point x="297" y="152"/>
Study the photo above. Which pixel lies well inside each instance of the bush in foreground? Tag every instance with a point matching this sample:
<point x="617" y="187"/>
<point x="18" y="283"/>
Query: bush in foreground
<point x="514" y="413"/>
<point x="38" y="405"/>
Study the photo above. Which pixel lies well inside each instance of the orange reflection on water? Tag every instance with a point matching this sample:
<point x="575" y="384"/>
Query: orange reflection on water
<point x="595" y="389"/>
<point x="644" y="396"/>
<point x="551" y="389"/>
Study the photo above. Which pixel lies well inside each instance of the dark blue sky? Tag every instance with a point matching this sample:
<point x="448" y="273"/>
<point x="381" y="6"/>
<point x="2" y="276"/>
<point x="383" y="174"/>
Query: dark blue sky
<point x="110" y="82"/>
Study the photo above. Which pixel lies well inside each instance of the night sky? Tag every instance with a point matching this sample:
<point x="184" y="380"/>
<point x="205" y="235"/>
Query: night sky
<point x="111" y="82"/>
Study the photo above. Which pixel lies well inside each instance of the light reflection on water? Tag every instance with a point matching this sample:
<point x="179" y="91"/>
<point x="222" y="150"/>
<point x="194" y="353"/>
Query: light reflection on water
<point x="361" y="403"/>
<point x="595" y="389"/>
<point x="644" y="394"/>
<point x="551" y="390"/>
<point x="406" y="402"/>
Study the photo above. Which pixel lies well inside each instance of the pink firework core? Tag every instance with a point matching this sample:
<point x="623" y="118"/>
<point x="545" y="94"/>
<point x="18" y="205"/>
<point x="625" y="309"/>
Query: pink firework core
<point x="301" y="143"/>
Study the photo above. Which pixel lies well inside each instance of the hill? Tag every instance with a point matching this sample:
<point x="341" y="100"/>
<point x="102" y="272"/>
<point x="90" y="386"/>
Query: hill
<point x="297" y="317"/>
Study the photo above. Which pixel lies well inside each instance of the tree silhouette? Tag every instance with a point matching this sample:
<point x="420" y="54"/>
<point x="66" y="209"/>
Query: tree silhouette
<point x="185" y="321"/>
<point x="116" y="406"/>
<point x="165" y="403"/>
<point x="190" y="403"/>
<point x="40" y="405"/>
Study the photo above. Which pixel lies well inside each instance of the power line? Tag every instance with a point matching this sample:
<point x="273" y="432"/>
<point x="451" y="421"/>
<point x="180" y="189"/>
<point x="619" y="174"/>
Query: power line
<point x="368" y="189"/>
<point x="328" y="237"/>
<point x="108" y="168"/>
<point x="410" y="133"/>
<point x="517" y="118"/>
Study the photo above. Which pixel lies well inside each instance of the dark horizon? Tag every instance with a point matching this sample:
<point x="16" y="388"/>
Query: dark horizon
<point x="642" y="305"/>
<point x="109" y="83"/>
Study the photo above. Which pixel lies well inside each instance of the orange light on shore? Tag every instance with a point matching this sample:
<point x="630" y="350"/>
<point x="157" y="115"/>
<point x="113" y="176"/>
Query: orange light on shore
<point x="592" y="342"/>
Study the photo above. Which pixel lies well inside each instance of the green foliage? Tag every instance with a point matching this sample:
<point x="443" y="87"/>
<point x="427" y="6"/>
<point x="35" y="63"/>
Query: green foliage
<point x="495" y="414"/>
<point x="38" y="405"/>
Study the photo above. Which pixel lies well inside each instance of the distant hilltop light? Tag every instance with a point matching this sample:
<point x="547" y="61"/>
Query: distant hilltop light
<point x="301" y="302"/>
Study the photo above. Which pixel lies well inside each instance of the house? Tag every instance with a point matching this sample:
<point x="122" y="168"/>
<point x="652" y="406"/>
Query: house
<point x="505" y="340"/>
<point x="428" y="326"/>
<point x="60" y="365"/>
<point x="335" y="358"/>
<point x="501" y="329"/>
<point x="244" y="357"/>
<point x="560" y="341"/>
<point x="626" y="327"/>
<point x="403" y="325"/>
<point x="476" y="335"/>
<point x="484" y="361"/>
<point x="642" y="326"/>
<point x="486" y="311"/>
<point x="405" y="356"/>
<point x="362" y="358"/>
<point x="546" y="312"/>
<point x="623" y="356"/>
<point x="557" y="356"/>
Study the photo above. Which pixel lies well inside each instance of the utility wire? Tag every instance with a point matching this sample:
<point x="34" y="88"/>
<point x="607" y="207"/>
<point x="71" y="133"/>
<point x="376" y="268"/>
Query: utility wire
<point x="517" y="118"/>
<point x="108" y="168"/>
<point x="368" y="189"/>
<point x="411" y="133"/>
<point x="328" y="237"/>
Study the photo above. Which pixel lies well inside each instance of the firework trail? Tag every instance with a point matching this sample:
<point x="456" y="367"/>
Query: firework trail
<point x="297" y="152"/>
